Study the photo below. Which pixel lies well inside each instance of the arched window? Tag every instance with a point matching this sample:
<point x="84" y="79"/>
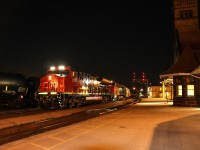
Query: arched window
<point x="190" y="13"/>
<point x="185" y="14"/>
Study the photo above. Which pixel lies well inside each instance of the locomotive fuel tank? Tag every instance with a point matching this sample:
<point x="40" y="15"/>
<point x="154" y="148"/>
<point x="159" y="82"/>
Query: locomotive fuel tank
<point x="12" y="89"/>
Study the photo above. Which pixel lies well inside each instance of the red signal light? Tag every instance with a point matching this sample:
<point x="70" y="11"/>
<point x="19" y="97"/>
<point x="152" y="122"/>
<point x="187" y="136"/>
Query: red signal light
<point x="143" y="77"/>
<point x="134" y="77"/>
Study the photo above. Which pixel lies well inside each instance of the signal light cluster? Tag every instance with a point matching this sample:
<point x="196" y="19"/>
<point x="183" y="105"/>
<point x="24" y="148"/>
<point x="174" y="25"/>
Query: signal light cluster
<point x="143" y="77"/>
<point x="134" y="77"/>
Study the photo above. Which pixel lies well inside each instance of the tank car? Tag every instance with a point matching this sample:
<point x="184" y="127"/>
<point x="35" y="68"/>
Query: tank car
<point x="65" y="87"/>
<point x="12" y="89"/>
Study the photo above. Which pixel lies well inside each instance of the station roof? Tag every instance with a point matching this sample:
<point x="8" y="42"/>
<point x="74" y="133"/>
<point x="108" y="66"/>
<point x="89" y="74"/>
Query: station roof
<point x="187" y="62"/>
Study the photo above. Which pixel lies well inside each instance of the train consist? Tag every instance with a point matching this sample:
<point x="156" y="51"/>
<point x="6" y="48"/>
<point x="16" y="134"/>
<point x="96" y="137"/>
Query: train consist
<point x="60" y="87"/>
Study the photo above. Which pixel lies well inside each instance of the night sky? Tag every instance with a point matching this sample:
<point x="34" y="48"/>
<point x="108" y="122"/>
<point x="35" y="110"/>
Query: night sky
<point x="110" y="39"/>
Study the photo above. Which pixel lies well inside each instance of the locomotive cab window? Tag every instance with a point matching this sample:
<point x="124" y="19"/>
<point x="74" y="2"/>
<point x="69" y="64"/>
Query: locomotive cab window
<point x="60" y="72"/>
<point x="74" y="74"/>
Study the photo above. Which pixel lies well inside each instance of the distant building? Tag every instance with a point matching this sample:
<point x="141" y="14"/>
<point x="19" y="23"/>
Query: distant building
<point x="185" y="72"/>
<point x="157" y="92"/>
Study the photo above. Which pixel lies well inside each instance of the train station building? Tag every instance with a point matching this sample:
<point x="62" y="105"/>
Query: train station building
<point x="184" y="74"/>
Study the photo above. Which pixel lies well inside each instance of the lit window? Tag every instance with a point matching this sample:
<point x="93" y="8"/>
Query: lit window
<point x="190" y="90"/>
<point x="179" y="90"/>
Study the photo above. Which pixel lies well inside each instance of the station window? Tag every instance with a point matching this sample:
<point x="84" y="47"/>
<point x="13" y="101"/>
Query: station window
<point x="185" y="14"/>
<point x="190" y="90"/>
<point x="190" y="14"/>
<point x="179" y="90"/>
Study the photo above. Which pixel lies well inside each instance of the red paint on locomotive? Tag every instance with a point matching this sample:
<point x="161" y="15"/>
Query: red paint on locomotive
<point x="68" y="87"/>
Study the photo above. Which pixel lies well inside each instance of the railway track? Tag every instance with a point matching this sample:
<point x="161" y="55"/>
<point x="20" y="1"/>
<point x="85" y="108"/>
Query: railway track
<point x="12" y="113"/>
<point x="7" y="113"/>
<point x="20" y="131"/>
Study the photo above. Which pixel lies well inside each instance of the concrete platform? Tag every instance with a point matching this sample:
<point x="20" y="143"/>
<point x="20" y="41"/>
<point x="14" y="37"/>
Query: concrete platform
<point x="144" y="126"/>
<point x="33" y="118"/>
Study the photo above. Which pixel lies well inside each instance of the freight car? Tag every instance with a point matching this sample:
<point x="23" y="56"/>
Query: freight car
<point x="64" y="87"/>
<point x="12" y="89"/>
<point x="15" y="90"/>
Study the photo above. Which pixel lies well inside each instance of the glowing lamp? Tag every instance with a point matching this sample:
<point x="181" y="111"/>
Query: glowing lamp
<point x="95" y="82"/>
<point x="87" y="81"/>
<point x="52" y="68"/>
<point x="61" y="67"/>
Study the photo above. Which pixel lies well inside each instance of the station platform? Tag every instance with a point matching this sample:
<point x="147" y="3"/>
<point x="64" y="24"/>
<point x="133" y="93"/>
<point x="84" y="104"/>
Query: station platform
<point x="9" y="122"/>
<point x="143" y="126"/>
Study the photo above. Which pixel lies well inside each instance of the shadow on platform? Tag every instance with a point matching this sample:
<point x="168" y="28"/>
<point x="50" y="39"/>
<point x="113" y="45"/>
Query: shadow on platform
<point x="180" y="134"/>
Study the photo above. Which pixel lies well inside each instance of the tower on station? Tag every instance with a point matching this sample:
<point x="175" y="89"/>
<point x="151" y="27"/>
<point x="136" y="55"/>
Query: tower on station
<point x="186" y="15"/>
<point x="184" y="74"/>
<point x="186" y="24"/>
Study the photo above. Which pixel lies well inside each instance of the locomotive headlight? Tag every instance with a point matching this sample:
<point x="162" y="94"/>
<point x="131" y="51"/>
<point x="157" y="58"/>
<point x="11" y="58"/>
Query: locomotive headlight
<point x="52" y="68"/>
<point x="61" y="67"/>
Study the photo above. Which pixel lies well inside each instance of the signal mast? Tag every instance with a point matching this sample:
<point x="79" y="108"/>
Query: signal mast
<point x="140" y="85"/>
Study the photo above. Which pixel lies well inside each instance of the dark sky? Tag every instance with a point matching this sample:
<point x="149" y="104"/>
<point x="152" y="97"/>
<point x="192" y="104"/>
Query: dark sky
<point x="110" y="39"/>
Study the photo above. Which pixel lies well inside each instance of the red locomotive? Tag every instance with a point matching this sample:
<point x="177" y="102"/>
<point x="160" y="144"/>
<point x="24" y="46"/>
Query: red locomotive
<point x="65" y="87"/>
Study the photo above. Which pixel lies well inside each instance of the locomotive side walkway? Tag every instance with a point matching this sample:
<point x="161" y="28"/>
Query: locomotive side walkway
<point x="155" y="125"/>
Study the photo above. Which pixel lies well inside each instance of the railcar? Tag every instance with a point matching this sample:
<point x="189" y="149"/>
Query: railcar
<point x="123" y="92"/>
<point x="12" y="89"/>
<point x="64" y="87"/>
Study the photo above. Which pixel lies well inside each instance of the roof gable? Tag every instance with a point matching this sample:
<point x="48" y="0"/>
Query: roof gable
<point x="187" y="62"/>
<point x="196" y="71"/>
